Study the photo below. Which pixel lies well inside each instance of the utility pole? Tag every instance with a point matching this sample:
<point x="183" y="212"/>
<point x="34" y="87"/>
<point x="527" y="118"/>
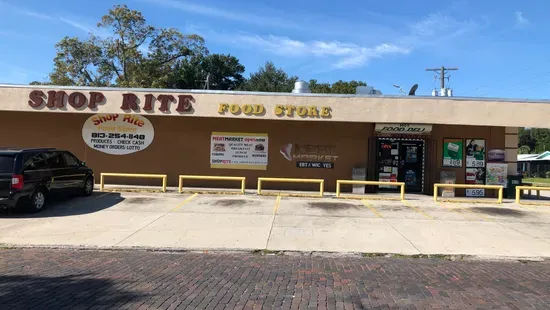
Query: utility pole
<point x="441" y="71"/>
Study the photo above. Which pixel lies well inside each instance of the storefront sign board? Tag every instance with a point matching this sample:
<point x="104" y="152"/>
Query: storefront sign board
<point x="403" y="128"/>
<point x="475" y="176"/>
<point x="475" y="153"/>
<point x="310" y="155"/>
<point x="230" y="150"/>
<point x="496" y="156"/>
<point x="452" y="153"/>
<point x="497" y="174"/>
<point x="118" y="134"/>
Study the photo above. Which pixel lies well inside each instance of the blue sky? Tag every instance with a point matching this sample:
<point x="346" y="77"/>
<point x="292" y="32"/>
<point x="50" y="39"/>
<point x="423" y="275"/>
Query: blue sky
<point x="499" y="47"/>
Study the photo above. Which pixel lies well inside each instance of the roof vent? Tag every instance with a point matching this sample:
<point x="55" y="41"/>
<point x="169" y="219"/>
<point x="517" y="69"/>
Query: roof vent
<point x="301" y="87"/>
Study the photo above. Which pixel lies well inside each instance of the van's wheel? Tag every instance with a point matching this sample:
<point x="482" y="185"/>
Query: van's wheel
<point x="37" y="201"/>
<point x="88" y="188"/>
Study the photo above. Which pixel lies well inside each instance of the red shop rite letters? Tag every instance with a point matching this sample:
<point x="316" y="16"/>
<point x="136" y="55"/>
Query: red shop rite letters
<point x="130" y="102"/>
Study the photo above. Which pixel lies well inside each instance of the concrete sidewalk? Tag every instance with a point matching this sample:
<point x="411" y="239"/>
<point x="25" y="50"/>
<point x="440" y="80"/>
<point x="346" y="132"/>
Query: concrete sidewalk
<point x="231" y="222"/>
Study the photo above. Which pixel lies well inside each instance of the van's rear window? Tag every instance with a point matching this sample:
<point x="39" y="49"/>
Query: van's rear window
<point x="6" y="164"/>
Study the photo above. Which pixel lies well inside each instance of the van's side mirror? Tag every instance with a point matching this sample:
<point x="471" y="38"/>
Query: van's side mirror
<point x="83" y="163"/>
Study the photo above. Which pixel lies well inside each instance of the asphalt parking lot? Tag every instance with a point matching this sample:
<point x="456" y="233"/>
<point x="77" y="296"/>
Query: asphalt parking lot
<point x="250" y="222"/>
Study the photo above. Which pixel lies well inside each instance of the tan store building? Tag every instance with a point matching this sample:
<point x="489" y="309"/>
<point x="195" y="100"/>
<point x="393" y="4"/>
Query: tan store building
<point x="409" y="139"/>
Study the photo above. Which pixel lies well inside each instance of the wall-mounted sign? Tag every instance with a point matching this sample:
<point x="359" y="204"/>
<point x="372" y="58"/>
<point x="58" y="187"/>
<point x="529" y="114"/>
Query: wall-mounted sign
<point x="130" y="102"/>
<point x="246" y="109"/>
<point x="475" y="176"/>
<point x="238" y="151"/>
<point x="496" y="156"/>
<point x="475" y="153"/>
<point x="403" y="128"/>
<point x="302" y="111"/>
<point x="118" y="134"/>
<point x="310" y="155"/>
<point x="497" y="174"/>
<point x="452" y="153"/>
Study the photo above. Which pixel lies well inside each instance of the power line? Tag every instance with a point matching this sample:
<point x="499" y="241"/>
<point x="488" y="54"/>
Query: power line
<point x="442" y="71"/>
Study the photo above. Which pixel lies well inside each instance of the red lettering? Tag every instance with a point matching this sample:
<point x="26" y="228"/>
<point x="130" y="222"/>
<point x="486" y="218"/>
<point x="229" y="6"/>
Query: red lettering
<point x="185" y="103"/>
<point x="148" y="103"/>
<point x="55" y="99"/>
<point x="129" y="102"/>
<point x="164" y="101"/>
<point x="77" y="100"/>
<point x="135" y="120"/>
<point x="95" y="98"/>
<point x="36" y="98"/>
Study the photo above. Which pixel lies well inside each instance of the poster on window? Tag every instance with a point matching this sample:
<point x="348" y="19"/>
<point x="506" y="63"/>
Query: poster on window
<point x="497" y="174"/>
<point x="452" y="153"/>
<point x="475" y="153"/>
<point x="475" y="176"/>
<point x="118" y="134"/>
<point x="230" y="150"/>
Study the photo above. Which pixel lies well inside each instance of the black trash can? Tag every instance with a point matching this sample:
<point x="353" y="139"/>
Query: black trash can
<point x="513" y="181"/>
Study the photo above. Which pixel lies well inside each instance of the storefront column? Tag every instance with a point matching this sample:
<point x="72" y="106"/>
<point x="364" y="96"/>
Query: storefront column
<point x="511" y="147"/>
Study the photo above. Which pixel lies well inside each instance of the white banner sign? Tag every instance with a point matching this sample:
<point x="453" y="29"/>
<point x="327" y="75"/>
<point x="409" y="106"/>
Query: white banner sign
<point x="238" y="151"/>
<point x="417" y="129"/>
<point x="118" y="134"/>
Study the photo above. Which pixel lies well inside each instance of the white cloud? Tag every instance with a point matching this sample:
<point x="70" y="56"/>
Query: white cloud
<point x="238" y="16"/>
<point x="341" y="55"/>
<point x="521" y="20"/>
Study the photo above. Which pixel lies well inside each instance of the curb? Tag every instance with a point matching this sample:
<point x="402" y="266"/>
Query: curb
<point x="264" y="252"/>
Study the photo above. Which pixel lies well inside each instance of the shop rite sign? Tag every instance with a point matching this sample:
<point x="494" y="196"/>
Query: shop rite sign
<point x="279" y="110"/>
<point x="129" y="102"/>
<point x="118" y="134"/>
<point x="310" y="156"/>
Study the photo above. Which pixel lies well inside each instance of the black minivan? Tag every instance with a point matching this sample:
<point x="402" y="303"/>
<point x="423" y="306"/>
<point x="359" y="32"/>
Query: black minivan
<point x="28" y="177"/>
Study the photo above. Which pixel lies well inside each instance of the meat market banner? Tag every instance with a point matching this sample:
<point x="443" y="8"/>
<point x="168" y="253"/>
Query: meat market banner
<point x="230" y="150"/>
<point x="118" y="134"/>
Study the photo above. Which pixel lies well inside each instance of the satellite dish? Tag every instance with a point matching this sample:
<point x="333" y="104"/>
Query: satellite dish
<point x="413" y="90"/>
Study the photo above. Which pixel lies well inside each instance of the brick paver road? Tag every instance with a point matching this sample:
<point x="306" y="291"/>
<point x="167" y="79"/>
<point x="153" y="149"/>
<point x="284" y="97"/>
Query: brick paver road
<point x="65" y="279"/>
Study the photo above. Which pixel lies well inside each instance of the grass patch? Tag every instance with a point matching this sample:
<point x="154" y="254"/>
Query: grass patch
<point x="537" y="180"/>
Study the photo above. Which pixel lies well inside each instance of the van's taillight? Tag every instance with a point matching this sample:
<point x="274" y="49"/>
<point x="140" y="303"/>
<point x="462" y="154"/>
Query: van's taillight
<point x="17" y="181"/>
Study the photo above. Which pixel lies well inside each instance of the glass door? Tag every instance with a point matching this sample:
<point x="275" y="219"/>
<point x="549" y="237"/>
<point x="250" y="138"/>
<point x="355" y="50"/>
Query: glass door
<point x="410" y="165"/>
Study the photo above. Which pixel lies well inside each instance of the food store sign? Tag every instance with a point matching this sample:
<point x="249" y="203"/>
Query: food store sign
<point x="417" y="129"/>
<point x="279" y="110"/>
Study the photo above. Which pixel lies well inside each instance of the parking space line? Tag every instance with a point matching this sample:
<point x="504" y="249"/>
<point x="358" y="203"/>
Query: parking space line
<point x="482" y="216"/>
<point x="406" y="203"/>
<point x="371" y="207"/>
<point x="102" y="195"/>
<point x="185" y="201"/>
<point x="277" y="203"/>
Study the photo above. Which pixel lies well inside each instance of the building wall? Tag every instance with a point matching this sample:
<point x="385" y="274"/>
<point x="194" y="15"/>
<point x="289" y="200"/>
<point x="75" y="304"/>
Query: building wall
<point x="343" y="108"/>
<point x="182" y="146"/>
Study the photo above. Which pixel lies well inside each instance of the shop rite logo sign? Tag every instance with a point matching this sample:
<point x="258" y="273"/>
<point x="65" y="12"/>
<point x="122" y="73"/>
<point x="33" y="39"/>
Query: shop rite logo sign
<point x="279" y="110"/>
<point x="130" y="102"/>
<point x="310" y="156"/>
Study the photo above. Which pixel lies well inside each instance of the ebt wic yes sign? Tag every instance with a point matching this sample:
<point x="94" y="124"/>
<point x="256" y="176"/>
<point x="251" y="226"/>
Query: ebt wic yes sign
<point x="403" y="128"/>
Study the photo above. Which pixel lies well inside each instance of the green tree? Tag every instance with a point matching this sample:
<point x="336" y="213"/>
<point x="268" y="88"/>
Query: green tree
<point x="524" y="149"/>
<point x="270" y="79"/>
<point x="339" y="87"/>
<point x="542" y="139"/>
<point x="525" y="138"/>
<point x="135" y="55"/>
<point x="223" y="72"/>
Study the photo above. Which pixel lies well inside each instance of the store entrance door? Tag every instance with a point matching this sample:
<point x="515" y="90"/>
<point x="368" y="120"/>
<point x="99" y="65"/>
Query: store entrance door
<point x="401" y="160"/>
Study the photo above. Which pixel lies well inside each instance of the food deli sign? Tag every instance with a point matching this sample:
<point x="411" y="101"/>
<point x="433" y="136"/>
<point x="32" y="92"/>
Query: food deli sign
<point x="418" y="129"/>
<point x="118" y="134"/>
<point x="91" y="100"/>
